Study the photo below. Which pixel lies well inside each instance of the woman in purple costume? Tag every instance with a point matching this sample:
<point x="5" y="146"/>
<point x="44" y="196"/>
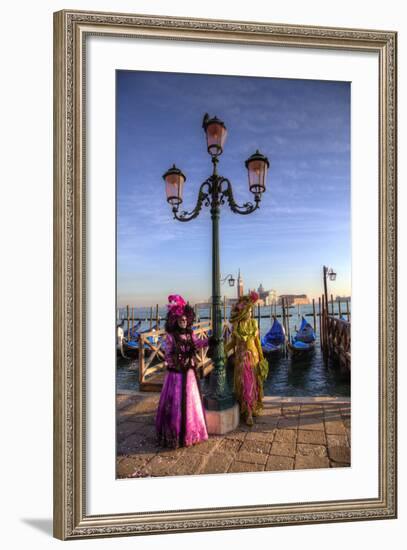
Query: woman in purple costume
<point x="180" y="419"/>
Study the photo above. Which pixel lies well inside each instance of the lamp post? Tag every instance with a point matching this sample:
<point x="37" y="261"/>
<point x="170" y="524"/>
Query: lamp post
<point x="230" y="279"/>
<point x="327" y="273"/>
<point x="213" y="193"/>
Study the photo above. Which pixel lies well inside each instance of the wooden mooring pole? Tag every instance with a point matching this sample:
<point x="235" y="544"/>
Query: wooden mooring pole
<point x="321" y="336"/>
<point x="313" y="313"/>
<point x="323" y="323"/>
<point x="287" y="316"/>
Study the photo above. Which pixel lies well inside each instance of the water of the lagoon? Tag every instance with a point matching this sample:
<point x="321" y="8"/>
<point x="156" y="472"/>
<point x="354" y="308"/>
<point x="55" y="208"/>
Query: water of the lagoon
<point x="306" y="377"/>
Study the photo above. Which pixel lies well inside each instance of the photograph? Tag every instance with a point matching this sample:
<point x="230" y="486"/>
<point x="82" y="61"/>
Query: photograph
<point x="225" y="235"/>
<point x="233" y="274"/>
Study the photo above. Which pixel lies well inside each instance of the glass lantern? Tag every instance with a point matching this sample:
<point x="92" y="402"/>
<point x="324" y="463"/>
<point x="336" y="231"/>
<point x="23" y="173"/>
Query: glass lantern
<point x="257" y="166"/>
<point x="174" y="185"/>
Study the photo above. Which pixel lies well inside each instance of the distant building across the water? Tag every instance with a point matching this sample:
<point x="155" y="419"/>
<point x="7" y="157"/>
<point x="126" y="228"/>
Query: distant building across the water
<point x="266" y="297"/>
<point x="294" y="299"/>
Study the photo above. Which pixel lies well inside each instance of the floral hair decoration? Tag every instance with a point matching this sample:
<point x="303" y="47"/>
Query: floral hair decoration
<point x="242" y="308"/>
<point x="177" y="307"/>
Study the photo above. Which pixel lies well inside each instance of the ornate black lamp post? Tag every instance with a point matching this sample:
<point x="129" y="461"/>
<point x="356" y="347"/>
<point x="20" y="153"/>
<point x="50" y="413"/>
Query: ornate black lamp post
<point x="213" y="192"/>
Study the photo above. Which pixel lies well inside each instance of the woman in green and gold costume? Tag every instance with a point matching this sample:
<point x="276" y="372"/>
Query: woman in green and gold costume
<point x="250" y="366"/>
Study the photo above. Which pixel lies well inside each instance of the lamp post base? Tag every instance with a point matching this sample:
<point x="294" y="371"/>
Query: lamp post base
<point x="220" y="422"/>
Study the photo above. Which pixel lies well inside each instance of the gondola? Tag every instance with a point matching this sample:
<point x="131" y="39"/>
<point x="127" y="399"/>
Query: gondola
<point x="303" y="342"/>
<point x="134" y="332"/>
<point x="273" y="341"/>
<point x="129" y="348"/>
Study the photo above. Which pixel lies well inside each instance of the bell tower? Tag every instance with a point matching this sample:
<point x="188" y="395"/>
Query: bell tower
<point x="240" y="291"/>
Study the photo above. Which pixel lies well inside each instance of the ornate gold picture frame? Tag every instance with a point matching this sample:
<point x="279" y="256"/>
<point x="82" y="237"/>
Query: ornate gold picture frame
<point x="72" y="520"/>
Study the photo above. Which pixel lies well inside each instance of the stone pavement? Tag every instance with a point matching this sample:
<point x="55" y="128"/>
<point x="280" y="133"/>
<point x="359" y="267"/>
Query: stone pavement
<point x="291" y="433"/>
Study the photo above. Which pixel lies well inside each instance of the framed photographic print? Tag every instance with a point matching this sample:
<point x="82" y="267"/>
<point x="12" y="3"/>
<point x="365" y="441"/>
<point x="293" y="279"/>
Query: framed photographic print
<point x="224" y="274"/>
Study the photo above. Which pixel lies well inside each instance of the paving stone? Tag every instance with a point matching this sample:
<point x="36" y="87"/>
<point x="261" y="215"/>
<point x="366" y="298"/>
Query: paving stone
<point x="145" y="405"/>
<point x="291" y="410"/>
<point x="303" y="462"/>
<point x="312" y="408"/>
<point x="205" y="447"/>
<point x="173" y="453"/>
<point x="255" y="446"/>
<point x="237" y="466"/>
<point x="339" y="454"/>
<point x="217" y="463"/>
<point x="306" y="449"/>
<point x="160" y="465"/>
<point x="331" y="409"/>
<point x="255" y="458"/>
<point x="236" y="435"/>
<point x="129" y="465"/>
<point x="123" y="401"/>
<point x="311" y="422"/>
<point x="186" y="465"/>
<point x="337" y="440"/>
<point x="266" y="422"/>
<point x="144" y="419"/>
<point x="283" y="449"/>
<point x="271" y="410"/>
<point x="243" y="427"/>
<point x="124" y="429"/>
<point x="289" y="423"/>
<point x="136" y="443"/>
<point x="279" y="463"/>
<point x="316" y="437"/>
<point x="263" y="427"/>
<point x="261" y="436"/>
<point x="286" y="436"/>
<point x="230" y="445"/>
<point x="333" y="427"/>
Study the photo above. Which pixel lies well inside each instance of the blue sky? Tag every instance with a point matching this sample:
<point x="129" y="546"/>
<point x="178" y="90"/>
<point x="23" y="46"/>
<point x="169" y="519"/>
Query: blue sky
<point x="302" y="126"/>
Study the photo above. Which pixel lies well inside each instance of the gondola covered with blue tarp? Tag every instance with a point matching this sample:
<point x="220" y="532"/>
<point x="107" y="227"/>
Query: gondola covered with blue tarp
<point x="274" y="340"/>
<point x="304" y="339"/>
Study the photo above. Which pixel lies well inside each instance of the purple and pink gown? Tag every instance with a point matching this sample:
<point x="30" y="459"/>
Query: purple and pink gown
<point x="180" y="419"/>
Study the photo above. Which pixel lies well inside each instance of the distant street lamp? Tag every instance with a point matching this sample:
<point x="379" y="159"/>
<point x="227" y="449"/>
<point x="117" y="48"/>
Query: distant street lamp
<point x="213" y="192"/>
<point x="230" y="279"/>
<point x="327" y="273"/>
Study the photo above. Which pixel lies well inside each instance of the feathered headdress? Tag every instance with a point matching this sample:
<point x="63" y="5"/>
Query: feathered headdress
<point x="177" y="307"/>
<point x="243" y="306"/>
